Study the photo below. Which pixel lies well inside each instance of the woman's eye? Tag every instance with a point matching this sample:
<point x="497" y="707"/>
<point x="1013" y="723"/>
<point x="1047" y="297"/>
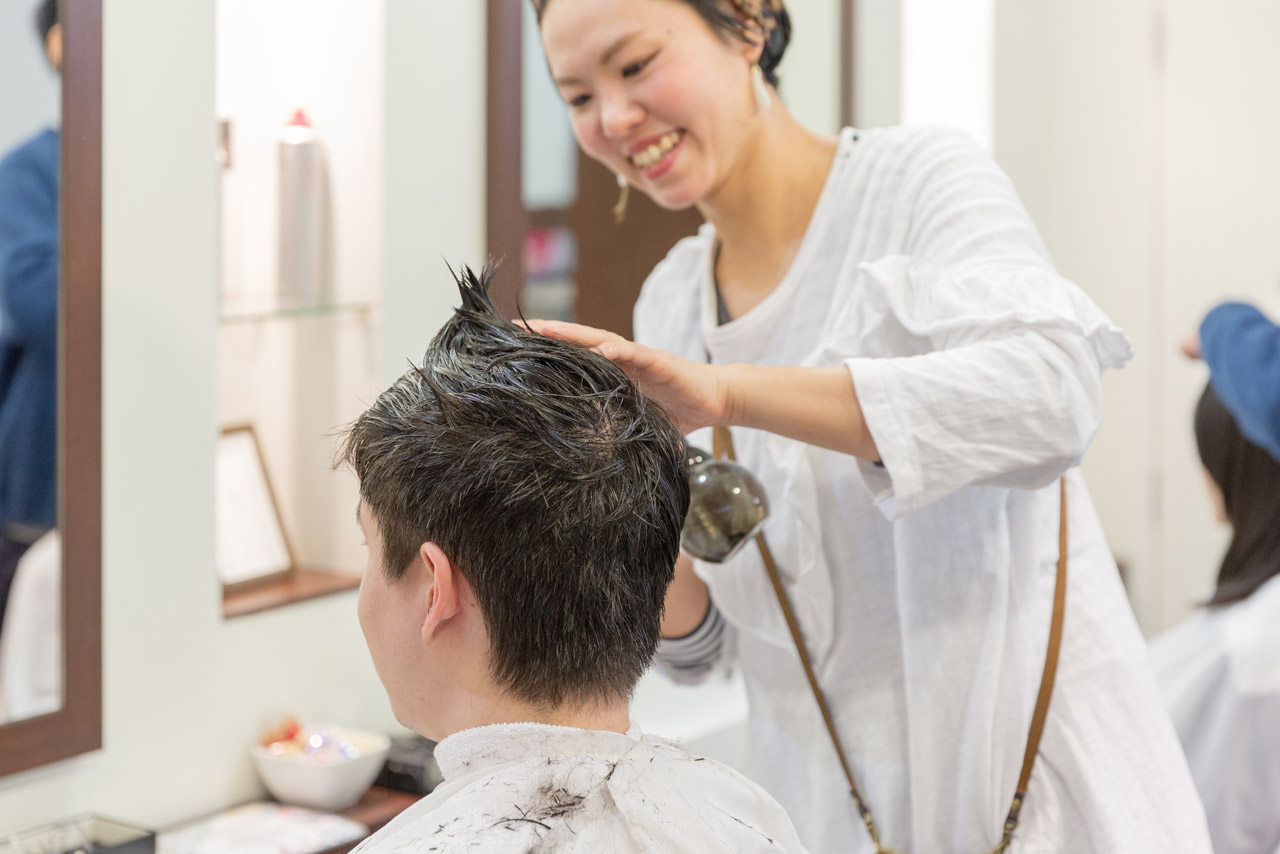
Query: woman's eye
<point x="636" y="67"/>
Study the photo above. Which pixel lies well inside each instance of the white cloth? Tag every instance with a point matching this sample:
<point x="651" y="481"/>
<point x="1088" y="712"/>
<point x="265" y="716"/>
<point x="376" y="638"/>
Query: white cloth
<point x="1219" y="672"/>
<point x="31" y="643"/>
<point x="924" y="588"/>
<point x="531" y="787"/>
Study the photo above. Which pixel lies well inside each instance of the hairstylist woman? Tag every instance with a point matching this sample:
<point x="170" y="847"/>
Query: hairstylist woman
<point x="878" y="321"/>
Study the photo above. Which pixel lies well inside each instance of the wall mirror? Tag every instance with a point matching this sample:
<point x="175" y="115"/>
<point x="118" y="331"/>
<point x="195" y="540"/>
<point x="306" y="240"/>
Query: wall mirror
<point x="50" y="350"/>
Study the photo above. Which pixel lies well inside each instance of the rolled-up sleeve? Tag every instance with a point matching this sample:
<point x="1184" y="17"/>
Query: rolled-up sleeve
<point x="991" y="363"/>
<point x="691" y="659"/>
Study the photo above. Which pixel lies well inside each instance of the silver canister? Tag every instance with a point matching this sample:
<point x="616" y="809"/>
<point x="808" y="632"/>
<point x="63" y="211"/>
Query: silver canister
<point x="302" y="234"/>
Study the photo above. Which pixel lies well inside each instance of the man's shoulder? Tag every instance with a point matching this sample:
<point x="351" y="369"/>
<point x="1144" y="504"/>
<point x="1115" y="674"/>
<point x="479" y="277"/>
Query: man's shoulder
<point x="655" y="798"/>
<point x="513" y="807"/>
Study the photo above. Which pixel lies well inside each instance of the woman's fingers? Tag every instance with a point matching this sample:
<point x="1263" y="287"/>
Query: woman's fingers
<point x="626" y="354"/>
<point x="575" y="332"/>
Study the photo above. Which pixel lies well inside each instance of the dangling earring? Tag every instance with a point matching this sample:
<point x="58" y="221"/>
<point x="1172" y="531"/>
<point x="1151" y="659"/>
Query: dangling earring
<point x="620" y="209"/>
<point x="763" y="99"/>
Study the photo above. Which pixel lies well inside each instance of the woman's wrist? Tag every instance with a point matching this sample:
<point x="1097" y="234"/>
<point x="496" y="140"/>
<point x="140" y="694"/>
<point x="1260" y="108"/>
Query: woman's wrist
<point x="735" y="387"/>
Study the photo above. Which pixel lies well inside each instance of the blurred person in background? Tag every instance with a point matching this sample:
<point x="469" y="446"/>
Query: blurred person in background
<point x="1219" y="671"/>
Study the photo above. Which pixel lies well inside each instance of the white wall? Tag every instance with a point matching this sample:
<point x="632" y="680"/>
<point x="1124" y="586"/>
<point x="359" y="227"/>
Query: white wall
<point x="947" y="65"/>
<point x="435" y="161"/>
<point x="28" y="86"/>
<point x="1076" y="131"/>
<point x="1142" y="136"/>
<point x="185" y="691"/>
<point x="1222" y="135"/>
<point x="548" y="151"/>
<point x="877" y="63"/>
<point x="810" y="69"/>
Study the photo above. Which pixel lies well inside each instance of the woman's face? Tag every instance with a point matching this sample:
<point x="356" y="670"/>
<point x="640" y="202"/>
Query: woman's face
<point x="654" y="94"/>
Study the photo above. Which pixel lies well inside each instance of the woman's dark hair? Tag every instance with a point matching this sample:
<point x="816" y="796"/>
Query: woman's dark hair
<point x="1249" y="478"/>
<point x="555" y="486"/>
<point x="725" y="23"/>
<point x="46" y="17"/>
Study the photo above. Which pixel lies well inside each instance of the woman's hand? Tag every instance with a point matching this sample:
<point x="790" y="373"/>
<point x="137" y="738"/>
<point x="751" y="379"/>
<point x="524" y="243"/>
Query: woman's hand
<point x="696" y="394"/>
<point x="817" y="405"/>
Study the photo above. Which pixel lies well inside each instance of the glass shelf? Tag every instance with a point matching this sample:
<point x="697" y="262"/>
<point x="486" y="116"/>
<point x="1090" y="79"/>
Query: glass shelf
<point x="261" y="315"/>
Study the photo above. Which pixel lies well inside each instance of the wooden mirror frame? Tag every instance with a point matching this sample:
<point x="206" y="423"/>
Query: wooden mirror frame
<point x="76" y="727"/>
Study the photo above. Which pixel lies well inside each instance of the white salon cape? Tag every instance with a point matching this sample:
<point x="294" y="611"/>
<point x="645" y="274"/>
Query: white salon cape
<point x="31" y="641"/>
<point x="519" y="788"/>
<point x="1219" y="672"/>
<point x="924" y="587"/>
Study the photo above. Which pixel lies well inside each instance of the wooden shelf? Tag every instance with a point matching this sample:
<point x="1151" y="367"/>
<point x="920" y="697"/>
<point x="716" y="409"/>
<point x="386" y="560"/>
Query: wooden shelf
<point x="297" y="585"/>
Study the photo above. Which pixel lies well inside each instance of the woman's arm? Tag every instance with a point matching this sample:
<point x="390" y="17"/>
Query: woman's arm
<point x="817" y="406"/>
<point x="687" y="601"/>
<point x="695" y="637"/>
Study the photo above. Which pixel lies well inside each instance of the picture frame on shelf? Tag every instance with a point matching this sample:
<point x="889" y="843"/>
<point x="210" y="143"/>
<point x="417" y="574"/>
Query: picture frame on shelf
<point x="251" y="545"/>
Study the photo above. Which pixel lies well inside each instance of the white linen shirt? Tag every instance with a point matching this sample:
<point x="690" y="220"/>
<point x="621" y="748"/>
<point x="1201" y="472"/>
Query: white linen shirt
<point x="1219" y="674"/>
<point x="520" y="788"/>
<point x="924" y="588"/>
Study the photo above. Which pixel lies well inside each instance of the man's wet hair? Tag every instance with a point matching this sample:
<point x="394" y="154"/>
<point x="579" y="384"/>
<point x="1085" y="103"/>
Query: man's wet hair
<point x="554" y="485"/>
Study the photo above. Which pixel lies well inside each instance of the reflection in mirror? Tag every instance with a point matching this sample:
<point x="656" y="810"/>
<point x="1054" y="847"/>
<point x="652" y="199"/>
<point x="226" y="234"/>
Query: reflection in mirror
<point x="31" y="679"/>
<point x="549" y="178"/>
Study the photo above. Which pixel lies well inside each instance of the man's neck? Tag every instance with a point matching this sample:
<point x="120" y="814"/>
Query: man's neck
<point x="475" y="711"/>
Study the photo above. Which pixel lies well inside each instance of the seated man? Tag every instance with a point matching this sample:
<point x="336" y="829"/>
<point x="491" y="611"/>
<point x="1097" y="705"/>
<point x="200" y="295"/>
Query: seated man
<point x="522" y="504"/>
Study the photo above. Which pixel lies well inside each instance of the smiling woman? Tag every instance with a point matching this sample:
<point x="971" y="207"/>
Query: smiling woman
<point x="629" y="63"/>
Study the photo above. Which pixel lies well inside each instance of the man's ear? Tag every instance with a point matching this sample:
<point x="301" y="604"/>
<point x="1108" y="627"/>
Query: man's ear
<point x="53" y="46"/>
<point x="444" y="594"/>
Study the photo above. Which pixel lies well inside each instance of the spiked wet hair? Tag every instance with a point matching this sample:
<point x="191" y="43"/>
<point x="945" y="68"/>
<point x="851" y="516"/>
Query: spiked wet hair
<point x="553" y="484"/>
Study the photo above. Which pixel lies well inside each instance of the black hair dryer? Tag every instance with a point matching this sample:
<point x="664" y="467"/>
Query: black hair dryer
<point x="727" y="507"/>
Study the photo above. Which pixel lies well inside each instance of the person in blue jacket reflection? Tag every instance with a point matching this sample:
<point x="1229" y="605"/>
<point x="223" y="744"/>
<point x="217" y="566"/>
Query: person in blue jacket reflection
<point x="29" y="332"/>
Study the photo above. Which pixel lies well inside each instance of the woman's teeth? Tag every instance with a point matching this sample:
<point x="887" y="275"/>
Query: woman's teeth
<point x="652" y="155"/>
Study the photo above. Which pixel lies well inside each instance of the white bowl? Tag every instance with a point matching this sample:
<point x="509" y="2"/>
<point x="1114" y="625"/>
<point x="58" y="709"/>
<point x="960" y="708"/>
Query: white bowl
<point x="323" y="782"/>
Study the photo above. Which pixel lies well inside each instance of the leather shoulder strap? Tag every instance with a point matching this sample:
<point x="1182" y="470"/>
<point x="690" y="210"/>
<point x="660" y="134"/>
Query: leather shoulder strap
<point x="722" y="446"/>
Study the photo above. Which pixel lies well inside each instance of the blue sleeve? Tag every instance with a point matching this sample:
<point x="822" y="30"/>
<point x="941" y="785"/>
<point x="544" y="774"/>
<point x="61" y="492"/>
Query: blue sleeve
<point x="28" y="255"/>
<point x="1242" y="349"/>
